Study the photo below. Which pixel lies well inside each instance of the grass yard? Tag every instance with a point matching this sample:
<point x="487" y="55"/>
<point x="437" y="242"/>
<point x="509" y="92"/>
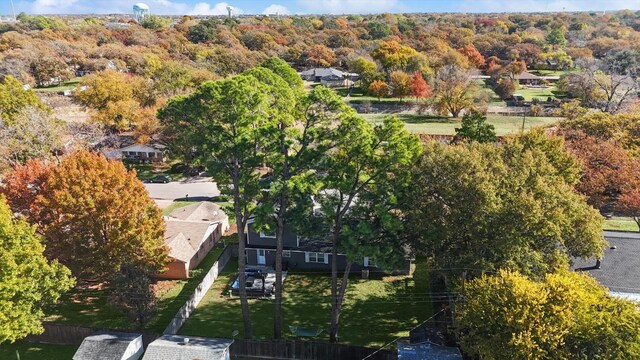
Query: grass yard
<point x="147" y="171"/>
<point x="176" y="205"/>
<point x="429" y="124"/>
<point x="620" y="223"/>
<point x="89" y="307"/>
<point x="33" y="351"/>
<point x="541" y="93"/>
<point x="66" y="85"/>
<point x="375" y="311"/>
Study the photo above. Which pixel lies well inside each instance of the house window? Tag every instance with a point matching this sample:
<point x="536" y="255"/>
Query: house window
<point x="286" y="253"/>
<point x="269" y="236"/>
<point x="316" y="257"/>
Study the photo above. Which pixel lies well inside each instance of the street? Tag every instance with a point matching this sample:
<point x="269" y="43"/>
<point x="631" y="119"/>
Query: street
<point x="195" y="188"/>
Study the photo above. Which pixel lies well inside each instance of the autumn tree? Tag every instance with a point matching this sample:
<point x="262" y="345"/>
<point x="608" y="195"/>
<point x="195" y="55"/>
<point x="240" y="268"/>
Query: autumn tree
<point x="34" y="133"/>
<point x="98" y="216"/>
<point x="225" y="122"/>
<point x="419" y="87"/>
<point x="473" y="55"/>
<point x="401" y="84"/>
<point x="564" y="315"/>
<point x="608" y="171"/>
<point x="475" y="128"/>
<point x="392" y="55"/>
<point x="28" y="280"/>
<point x="49" y="71"/>
<point x="14" y="99"/>
<point x="452" y="90"/>
<point x="368" y="71"/>
<point x="22" y="185"/>
<point x="379" y="88"/>
<point x="505" y="88"/>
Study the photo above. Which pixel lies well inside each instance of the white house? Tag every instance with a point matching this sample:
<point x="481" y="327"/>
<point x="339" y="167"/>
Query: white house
<point x="143" y="152"/>
<point x="110" y="346"/>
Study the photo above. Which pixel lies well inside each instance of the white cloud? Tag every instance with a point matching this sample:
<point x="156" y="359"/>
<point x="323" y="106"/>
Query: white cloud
<point x="348" y="6"/>
<point x="276" y="9"/>
<point x="542" y="5"/>
<point x="217" y="9"/>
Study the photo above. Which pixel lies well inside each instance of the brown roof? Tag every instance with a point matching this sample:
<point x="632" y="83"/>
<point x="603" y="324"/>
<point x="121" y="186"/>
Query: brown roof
<point x="200" y="211"/>
<point x="183" y="238"/>
<point x="527" y="76"/>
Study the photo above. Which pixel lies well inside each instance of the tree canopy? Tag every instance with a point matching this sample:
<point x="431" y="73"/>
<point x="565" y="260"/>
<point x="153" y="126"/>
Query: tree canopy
<point x="28" y="281"/>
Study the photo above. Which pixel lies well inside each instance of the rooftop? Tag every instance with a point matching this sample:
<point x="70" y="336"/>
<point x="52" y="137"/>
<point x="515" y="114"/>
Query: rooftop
<point x="201" y="211"/>
<point x="183" y="238"/>
<point x="105" y="346"/>
<point x="620" y="266"/>
<point x="175" y="347"/>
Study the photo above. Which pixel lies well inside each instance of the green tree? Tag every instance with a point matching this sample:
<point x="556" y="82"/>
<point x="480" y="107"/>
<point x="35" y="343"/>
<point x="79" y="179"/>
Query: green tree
<point x="28" y="282"/>
<point x="482" y="207"/>
<point x="363" y="177"/>
<point x="566" y="315"/>
<point x="155" y="22"/>
<point x="368" y="71"/>
<point x="378" y="30"/>
<point x="475" y="128"/>
<point x="132" y="291"/>
<point x="556" y="38"/>
<point x="98" y="216"/>
<point x="227" y="123"/>
<point x="14" y="99"/>
<point x="401" y="84"/>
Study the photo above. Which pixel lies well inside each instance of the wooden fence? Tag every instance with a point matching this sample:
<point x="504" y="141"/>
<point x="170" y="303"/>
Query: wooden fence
<point x="303" y="350"/>
<point x="73" y="335"/>
<point x="190" y="305"/>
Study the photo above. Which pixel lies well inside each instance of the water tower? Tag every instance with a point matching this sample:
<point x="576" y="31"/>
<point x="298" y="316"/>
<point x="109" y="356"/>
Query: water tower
<point x="230" y="11"/>
<point x="140" y="11"/>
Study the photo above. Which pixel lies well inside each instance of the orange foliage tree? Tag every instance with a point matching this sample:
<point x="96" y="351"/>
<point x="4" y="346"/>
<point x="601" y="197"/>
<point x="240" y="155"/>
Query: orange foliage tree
<point x="473" y="55"/>
<point x="379" y="89"/>
<point x="23" y="184"/>
<point x="98" y="216"/>
<point x="419" y="87"/>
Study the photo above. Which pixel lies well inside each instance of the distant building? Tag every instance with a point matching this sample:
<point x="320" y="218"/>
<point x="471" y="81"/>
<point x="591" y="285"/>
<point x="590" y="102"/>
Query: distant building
<point x="151" y="152"/>
<point x="140" y="12"/>
<point x="329" y="77"/>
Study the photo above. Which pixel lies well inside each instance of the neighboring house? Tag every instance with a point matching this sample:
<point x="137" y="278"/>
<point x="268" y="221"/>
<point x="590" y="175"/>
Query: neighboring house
<point x="191" y="232"/>
<point x="426" y="350"/>
<point x="173" y="347"/>
<point x="527" y="78"/>
<point x="152" y="152"/>
<point x="110" y="346"/>
<point x="329" y="77"/>
<point x="301" y="252"/>
<point x="619" y="268"/>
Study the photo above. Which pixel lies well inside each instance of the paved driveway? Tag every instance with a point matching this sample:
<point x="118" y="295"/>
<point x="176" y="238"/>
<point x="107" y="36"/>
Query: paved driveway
<point x="196" y="188"/>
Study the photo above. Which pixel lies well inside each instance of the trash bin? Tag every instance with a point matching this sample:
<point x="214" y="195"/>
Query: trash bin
<point x="365" y="273"/>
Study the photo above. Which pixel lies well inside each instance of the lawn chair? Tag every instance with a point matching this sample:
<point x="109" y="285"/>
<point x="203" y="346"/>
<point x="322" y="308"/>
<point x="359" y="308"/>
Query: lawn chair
<point x="305" y="331"/>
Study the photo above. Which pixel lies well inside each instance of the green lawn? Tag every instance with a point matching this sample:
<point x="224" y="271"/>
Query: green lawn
<point x="541" y="93"/>
<point x="375" y="311"/>
<point x="620" y="223"/>
<point x="33" y="351"/>
<point x="88" y="307"/>
<point x="147" y="171"/>
<point x="428" y="124"/>
<point x="67" y="85"/>
<point x="176" y="205"/>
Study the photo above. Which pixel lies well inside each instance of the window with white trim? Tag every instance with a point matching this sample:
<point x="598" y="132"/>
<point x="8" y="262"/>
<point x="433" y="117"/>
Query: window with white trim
<point x="269" y="236"/>
<point x="286" y="253"/>
<point x="316" y="257"/>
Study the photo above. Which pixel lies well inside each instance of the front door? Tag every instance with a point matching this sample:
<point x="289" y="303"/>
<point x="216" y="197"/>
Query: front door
<point x="262" y="259"/>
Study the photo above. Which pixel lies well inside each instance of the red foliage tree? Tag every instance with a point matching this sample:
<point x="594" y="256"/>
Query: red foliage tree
<point x="22" y="185"/>
<point x="419" y="87"/>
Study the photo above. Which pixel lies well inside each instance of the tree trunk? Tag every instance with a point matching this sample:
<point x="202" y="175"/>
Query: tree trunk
<point x="277" y="321"/>
<point x="242" y="222"/>
<point x="336" y="306"/>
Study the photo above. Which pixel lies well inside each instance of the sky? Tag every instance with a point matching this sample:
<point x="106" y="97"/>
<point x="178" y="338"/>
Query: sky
<point x="199" y="7"/>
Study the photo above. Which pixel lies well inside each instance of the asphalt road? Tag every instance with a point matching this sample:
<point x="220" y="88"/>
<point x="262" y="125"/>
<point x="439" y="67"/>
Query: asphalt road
<point x="196" y="188"/>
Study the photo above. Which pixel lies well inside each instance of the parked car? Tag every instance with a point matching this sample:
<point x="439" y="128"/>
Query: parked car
<point x="195" y="171"/>
<point x="163" y="179"/>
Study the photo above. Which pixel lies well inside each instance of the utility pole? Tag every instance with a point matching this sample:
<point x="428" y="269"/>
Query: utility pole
<point x="524" y="117"/>
<point x="13" y="9"/>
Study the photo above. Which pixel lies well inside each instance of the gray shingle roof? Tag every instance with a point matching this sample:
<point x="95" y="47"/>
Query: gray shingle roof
<point x="200" y="211"/>
<point x="183" y="238"/>
<point x="105" y="346"/>
<point x="173" y="347"/>
<point x="620" y="267"/>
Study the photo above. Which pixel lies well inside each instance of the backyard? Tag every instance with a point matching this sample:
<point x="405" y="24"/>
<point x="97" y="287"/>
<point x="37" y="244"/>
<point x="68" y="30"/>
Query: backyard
<point x="31" y="351"/>
<point x="434" y="125"/>
<point x="375" y="311"/>
<point x="620" y="223"/>
<point x="88" y="305"/>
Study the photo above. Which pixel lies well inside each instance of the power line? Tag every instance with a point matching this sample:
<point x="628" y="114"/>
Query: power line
<point x="400" y="337"/>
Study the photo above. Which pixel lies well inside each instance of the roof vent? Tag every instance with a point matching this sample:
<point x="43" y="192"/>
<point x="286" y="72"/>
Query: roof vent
<point x="613" y="247"/>
<point x="186" y="341"/>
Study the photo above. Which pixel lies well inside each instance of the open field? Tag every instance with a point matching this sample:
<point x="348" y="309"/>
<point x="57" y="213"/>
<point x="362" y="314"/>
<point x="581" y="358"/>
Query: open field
<point x="66" y="85"/>
<point x="429" y="124"/>
<point x="375" y="311"/>
<point x="32" y="351"/>
<point x="529" y="93"/>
